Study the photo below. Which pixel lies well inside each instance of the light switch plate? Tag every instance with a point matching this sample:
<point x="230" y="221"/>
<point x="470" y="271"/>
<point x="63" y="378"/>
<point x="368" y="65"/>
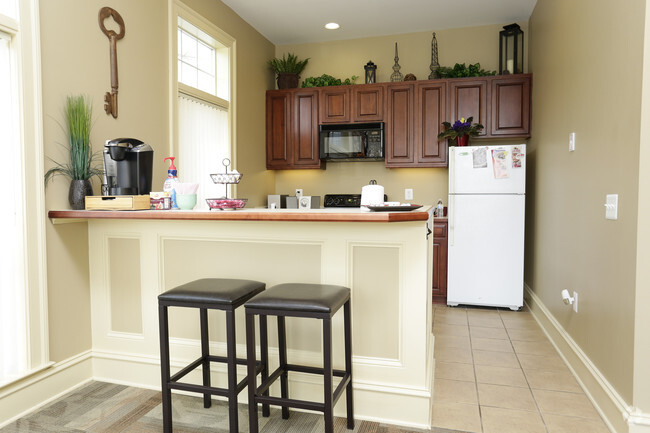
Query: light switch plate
<point x="611" y="207"/>
<point x="572" y="142"/>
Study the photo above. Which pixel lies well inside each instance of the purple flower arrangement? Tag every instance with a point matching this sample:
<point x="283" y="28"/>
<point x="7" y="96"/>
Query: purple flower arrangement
<point x="459" y="128"/>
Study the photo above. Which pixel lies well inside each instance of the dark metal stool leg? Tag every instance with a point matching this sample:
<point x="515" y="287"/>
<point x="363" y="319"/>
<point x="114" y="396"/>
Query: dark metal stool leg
<point x="231" y="355"/>
<point x="205" y="352"/>
<point x="284" y="377"/>
<point x="264" y="356"/>
<point x="252" y="380"/>
<point x="348" y="362"/>
<point x="164" y="369"/>
<point x="327" y="375"/>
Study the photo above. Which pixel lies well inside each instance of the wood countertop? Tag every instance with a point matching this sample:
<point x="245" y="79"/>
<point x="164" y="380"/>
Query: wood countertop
<point x="253" y="214"/>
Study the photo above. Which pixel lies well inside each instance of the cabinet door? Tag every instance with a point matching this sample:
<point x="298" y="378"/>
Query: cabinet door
<point x="468" y="98"/>
<point x="278" y="129"/>
<point x="430" y="111"/>
<point x="399" y="126"/>
<point x="335" y="105"/>
<point x="439" y="284"/>
<point x="305" y="129"/>
<point x="511" y="106"/>
<point x="368" y="103"/>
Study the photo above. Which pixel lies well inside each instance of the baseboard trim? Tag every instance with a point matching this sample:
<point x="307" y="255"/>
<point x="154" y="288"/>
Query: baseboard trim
<point x="144" y="372"/>
<point x="41" y="388"/>
<point x="617" y="414"/>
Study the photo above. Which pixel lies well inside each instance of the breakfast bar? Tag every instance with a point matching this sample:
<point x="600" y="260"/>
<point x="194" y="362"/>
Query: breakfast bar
<point x="384" y="257"/>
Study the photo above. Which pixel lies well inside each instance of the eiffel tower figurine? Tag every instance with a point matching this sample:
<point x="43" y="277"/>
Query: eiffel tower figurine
<point x="397" y="75"/>
<point x="434" y="58"/>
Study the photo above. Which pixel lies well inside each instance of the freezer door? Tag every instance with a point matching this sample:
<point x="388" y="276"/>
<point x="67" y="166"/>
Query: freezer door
<point x="487" y="169"/>
<point x="486" y="250"/>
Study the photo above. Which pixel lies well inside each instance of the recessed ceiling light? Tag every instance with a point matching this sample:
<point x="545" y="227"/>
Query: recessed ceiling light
<point x="332" y="26"/>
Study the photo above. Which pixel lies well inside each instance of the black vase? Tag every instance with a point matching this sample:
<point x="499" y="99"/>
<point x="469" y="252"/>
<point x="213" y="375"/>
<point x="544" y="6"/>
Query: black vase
<point x="79" y="189"/>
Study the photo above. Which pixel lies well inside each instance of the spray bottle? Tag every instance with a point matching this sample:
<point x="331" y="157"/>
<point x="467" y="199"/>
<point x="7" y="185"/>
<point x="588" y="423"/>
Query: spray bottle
<point x="171" y="181"/>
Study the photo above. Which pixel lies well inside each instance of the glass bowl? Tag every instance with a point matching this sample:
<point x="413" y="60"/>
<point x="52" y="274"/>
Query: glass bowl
<point x="226" y="203"/>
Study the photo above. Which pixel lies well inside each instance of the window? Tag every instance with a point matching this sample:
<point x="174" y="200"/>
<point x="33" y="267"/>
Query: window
<point x="203" y="106"/>
<point x="23" y="303"/>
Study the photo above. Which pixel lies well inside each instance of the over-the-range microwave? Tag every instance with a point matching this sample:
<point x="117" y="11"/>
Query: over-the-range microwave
<point x="352" y="142"/>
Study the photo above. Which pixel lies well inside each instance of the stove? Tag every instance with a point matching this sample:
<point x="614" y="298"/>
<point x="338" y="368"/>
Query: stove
<point x="344" y="200"/>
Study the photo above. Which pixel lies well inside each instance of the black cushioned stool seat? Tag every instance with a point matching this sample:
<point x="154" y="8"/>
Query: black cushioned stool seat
<point x="319" y="301"/>
<point x="217" y="294"/>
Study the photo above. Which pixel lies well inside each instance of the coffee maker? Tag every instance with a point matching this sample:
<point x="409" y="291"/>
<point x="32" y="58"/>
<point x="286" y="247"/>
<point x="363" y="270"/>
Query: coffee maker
<point x="128" y="167"/>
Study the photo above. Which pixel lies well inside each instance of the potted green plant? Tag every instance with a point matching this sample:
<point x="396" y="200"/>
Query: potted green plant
<point x="461" y="130"/>
<point x="81" y="166"/>
<point x="288" y="70"/>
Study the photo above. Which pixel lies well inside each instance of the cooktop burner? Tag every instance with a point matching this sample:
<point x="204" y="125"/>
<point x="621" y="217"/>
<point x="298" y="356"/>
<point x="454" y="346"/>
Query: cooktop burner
<point x="344" y="200"/>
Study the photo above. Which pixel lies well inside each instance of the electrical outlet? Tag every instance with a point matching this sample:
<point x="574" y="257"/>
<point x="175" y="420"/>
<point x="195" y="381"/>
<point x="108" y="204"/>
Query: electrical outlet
<point x="575" y="301"/>
<point x="408" y="194"/>
<point x="572" y="142"/>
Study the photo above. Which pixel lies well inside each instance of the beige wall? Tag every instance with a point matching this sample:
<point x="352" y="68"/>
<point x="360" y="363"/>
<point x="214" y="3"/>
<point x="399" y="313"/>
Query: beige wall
<point x="586" y="80"/>
<point x="342" y="59"/>
<point x="75" y="60"/>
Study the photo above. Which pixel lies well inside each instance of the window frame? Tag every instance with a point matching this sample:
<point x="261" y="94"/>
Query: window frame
<point x="25" y="33"/>
<point x="179" y="9"/>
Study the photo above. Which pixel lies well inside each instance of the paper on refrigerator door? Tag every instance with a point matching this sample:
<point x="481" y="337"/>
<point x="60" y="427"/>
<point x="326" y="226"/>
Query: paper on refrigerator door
<point x="500" y="163"/>
<point x="479" y="157"/>
<point x="517" y="156"/>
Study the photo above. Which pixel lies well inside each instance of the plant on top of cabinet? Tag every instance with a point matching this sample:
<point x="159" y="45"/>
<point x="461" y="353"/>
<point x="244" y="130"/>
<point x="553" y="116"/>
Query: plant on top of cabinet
<point x="327" y="80"/>
<point x="288" y="70"/>
<point x="80" y="166"/>
<point x="460" y="70"/>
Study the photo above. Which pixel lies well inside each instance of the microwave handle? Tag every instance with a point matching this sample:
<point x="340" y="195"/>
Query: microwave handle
<point x="364" y="139"/>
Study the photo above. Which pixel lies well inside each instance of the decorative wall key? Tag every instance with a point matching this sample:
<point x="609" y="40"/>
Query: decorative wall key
<point x="110" y="98"/>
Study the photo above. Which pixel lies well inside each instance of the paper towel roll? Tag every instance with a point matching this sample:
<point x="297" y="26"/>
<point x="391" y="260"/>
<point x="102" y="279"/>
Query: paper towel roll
<point x="372" y="194"/>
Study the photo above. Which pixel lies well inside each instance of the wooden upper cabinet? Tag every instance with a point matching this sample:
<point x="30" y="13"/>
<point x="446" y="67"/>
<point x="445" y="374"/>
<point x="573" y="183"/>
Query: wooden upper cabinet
<point x="278" y="129"/>
<point x="305" y="129"/>
<point x="469" y="98"/>
<point x="430" y="112"/>
<point x="335" y="105"/>
<point x="368" y="103"/>
<point x="398" y="139"/>
<point x="292" y="129"/>
<point x="511" y="106"/>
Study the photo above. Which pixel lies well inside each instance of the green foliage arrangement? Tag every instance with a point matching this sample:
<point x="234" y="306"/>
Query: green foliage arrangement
<point x="327" y="80"/>
<point x="460" y="70"/>
<point x="81" y="164"/>
<point x="288" y="65"/>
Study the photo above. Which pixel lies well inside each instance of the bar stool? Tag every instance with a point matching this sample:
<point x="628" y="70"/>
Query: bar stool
<point x="216" y="294"/>
<point x="317" y="301"/>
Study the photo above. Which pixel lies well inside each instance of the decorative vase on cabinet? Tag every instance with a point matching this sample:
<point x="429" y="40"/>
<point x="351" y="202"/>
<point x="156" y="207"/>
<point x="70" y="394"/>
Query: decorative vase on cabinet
<point x="79" y="189"/>
<point x="462" y="140"/>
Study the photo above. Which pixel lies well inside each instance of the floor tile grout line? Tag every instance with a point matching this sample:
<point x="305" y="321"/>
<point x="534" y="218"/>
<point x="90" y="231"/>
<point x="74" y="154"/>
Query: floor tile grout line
<point x="530" y="389"/>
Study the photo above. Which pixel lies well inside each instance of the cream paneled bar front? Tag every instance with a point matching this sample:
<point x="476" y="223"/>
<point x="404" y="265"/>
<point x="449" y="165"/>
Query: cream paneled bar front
<point x="384" y="257"/>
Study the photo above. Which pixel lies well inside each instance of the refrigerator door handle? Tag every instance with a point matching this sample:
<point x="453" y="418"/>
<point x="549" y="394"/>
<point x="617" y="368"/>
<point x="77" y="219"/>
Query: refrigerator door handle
<point x="451" y="216"/>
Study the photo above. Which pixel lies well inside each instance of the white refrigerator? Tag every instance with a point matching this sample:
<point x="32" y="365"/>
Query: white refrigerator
<point x="487" y="193"/>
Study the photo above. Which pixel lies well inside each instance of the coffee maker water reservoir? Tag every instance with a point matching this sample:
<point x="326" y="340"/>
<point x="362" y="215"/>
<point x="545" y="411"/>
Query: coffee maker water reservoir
<point x="128" y="167"/>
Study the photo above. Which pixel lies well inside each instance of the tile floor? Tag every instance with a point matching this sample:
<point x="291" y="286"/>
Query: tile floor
<point x="496" y="372"/>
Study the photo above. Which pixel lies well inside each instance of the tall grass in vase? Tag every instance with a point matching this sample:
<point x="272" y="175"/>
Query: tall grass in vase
<point x="81" y="166"/>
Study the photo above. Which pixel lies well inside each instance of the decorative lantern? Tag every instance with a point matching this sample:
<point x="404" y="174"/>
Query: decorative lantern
<point x="371" y="72"/>
<point x="511" y="50"/>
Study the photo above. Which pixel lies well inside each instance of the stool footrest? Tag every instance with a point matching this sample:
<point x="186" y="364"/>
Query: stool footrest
<point x="289" y="402"/>
<point x="266" y="384"/>
<point x="223" y="392"/>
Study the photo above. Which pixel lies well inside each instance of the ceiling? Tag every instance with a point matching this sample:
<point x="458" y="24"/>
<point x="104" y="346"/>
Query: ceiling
<point x="295" y="22"/>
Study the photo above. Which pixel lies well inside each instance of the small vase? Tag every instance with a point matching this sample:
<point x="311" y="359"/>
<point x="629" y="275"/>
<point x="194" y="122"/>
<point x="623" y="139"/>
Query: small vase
<point x="79" y="189"/>
<point x="463" y="140"/>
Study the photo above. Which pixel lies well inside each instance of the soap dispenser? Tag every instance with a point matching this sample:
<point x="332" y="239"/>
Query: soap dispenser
<point x="171" y="181"/>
